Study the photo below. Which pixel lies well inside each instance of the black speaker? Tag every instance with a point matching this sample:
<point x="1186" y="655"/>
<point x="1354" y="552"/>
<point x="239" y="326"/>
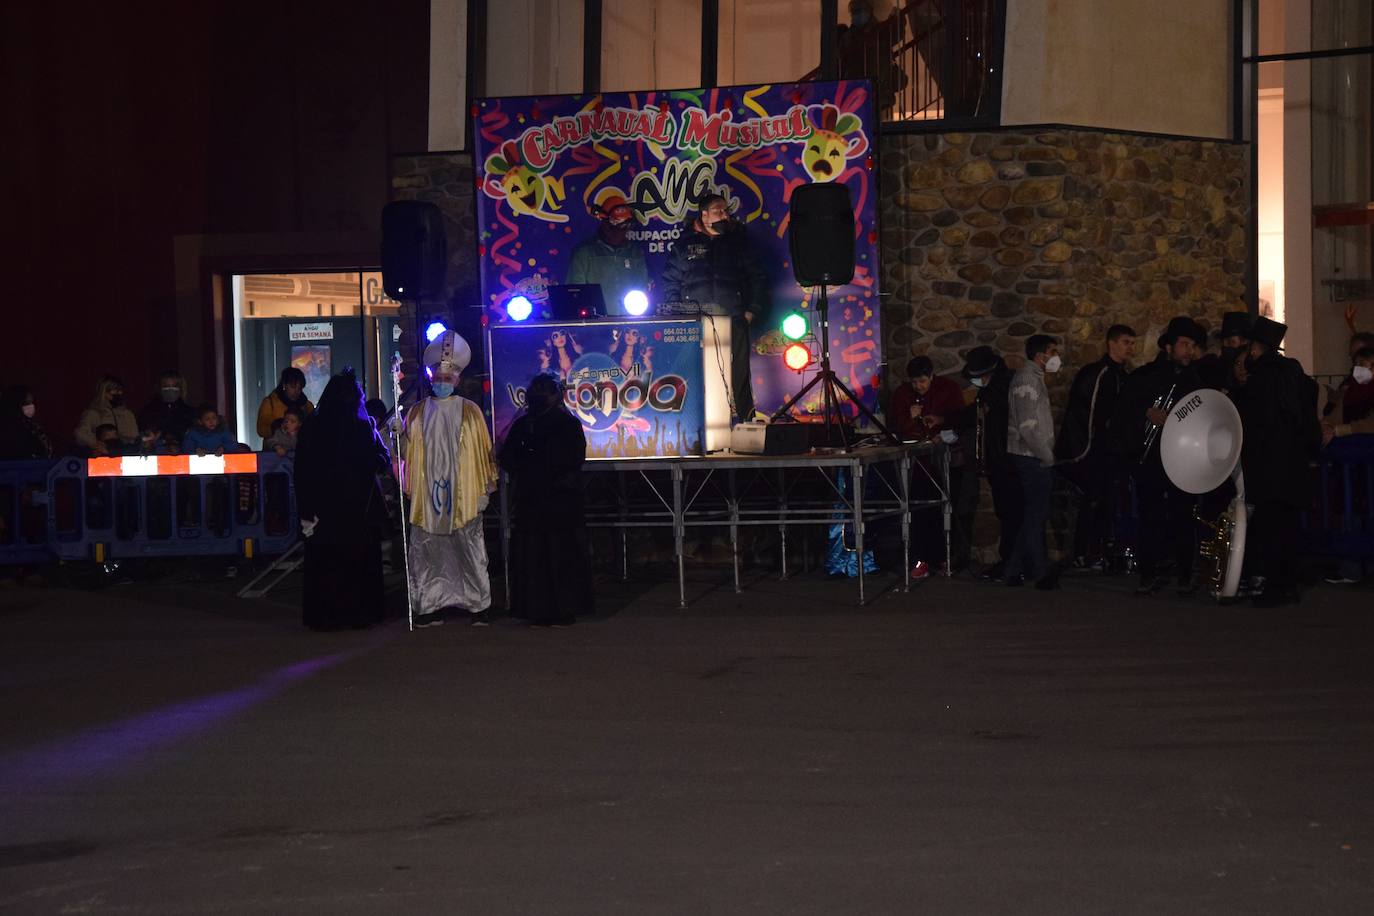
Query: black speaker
<point x="821" y="235"/>
<point x="414" y="250"/>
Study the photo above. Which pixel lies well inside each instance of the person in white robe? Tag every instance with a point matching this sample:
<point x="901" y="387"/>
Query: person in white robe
<point x="449" y="476"/>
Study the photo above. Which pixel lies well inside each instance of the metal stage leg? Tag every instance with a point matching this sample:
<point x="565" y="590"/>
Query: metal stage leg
<point x="782" y="529"/>
<point x="904" y="469"/>
<point x="949" y="512"/>
<point x="857" y="472"/>
<point x="734" y="528"/>
<point x="624" y="531"/>
<point x="679" y="524"/>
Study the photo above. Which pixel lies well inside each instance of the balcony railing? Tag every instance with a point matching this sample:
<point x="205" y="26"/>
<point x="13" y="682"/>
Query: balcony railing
<point x="929" y="60"/>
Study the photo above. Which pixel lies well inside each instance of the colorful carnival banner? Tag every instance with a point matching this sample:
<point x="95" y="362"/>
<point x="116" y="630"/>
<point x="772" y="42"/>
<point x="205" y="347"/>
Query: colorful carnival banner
<point x="545" y="162"/>
<point x="636" y="385"/>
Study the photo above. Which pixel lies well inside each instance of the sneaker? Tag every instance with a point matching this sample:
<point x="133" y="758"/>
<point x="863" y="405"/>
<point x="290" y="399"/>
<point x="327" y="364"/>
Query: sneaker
<point x="920" y="571"/>
<point x="480" y="619"/>
<point x="429" y="620"/>
<point x="1340" y="580"/>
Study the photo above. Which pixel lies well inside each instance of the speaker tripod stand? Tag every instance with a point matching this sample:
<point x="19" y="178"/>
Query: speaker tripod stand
<point x="832" y="389"/>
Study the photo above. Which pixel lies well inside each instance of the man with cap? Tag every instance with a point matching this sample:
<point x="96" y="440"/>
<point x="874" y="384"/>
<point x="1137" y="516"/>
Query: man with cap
<point x="1278" y="410"/>
<point x="1217" y="370"/>
<point x="1166" y="512"/>
<point x="988" y="373"/>
<point x="609" y="259"/>
<point x="1084" y="453"/>
<point x="449" y="474"/>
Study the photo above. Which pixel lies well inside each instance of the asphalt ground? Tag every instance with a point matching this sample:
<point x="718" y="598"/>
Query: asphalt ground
<point x="169" y="749"/>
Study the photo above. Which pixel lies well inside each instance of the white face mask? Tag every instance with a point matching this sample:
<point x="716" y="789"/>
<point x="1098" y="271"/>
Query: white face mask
<point x="978" y="381"/>
<point x="29" y="410"/>
<point x="1053" y="363"/>
<point x="1362" y="376"/>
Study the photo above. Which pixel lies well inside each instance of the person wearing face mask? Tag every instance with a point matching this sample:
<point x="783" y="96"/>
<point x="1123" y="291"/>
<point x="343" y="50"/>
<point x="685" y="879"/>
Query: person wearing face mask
<point x="712" y="265"/>
<point x="609" y="259"/>
<point x="1030" y="447"/>
<point x="551" y="583"/>
<point x="167" y="417"/>
<point x="449" y="475"/>
<point x="1217" y="370"/>
<point x="289" y="393"/>
<point x="21" y="436"/>
<point x="990" y="377"/>
<point x="1278" y="411"/>
<point x="1166" y="512"/>
<point x="107" y="407"/>
<point x="1354" y="410"/>
<point x="1082" y="449"/>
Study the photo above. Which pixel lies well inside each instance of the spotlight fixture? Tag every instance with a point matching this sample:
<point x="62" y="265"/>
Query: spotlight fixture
<point x="433" y="330"/>
<point x="519" y="308"/>
<point x="636" y="302"/>
<point x="797" y="357"/>
<point x="794" y="326"/>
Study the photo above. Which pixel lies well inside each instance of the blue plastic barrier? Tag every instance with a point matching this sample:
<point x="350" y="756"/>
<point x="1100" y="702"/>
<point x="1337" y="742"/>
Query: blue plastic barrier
<point x="24" y="513"/>
<point x="103" y="517"/>
<point x="1341" y="522"/>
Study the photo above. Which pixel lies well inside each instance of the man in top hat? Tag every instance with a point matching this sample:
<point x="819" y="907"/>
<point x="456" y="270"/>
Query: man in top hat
<point x="1166" y="512"/>
<point x="1218" y="370"/>
<point x="449" y="474"/>
<point x="990" y="376"/>
<point x="1278" y="409"/>
<point x="609" y="259"/>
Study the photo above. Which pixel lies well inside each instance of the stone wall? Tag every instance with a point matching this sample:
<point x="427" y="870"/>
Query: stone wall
<point x="988" y="238"/>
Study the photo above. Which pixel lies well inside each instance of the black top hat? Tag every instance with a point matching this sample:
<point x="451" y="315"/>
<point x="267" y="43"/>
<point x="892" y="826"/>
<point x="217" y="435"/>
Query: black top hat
<point x="1235" y="324"/>
<point x="1183" y="326"/>
<point x="1268" y="332"/>
<point x="981" y="361"/>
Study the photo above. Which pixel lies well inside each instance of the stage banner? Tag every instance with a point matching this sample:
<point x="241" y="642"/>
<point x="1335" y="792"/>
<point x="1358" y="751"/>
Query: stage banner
<point x="544" y="163"/>
<point x="636" y="386"/>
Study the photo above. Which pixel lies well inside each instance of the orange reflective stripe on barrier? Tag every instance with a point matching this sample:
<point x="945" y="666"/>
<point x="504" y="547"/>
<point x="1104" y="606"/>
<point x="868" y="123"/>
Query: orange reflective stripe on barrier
<point x="172" y="465"/>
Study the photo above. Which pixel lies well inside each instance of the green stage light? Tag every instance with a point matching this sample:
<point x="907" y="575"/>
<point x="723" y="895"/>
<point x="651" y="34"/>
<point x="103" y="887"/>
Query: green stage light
<point x="794" y="326"/>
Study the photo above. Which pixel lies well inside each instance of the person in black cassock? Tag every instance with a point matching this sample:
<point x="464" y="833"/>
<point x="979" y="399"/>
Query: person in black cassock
<point x="338" y="457"/>
<point x="1166" y="512"/>
<point x="1278" y="409"/>
<point x="551" y="582"/>
<point x="1085" y="454"/>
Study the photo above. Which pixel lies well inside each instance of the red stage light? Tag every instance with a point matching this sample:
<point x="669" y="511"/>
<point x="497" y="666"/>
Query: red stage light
<point x="797" y="357"/>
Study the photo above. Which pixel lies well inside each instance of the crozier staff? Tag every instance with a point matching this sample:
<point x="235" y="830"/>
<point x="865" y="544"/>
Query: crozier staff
<point x="712" y="265"/>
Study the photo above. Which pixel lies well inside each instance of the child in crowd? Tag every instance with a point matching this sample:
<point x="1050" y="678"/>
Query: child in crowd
<point x="283" y="438"/>
<point x="208" y="435"/>
<point x="107" y="435"/>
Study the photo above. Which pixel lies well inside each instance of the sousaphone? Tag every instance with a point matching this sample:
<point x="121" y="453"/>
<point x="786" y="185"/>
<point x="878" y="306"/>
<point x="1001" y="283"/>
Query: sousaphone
<point x="1200" y="446"/>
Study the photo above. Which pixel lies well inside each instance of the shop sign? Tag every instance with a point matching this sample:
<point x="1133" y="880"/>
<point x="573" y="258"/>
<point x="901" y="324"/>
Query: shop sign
<point x="316" y="330"/>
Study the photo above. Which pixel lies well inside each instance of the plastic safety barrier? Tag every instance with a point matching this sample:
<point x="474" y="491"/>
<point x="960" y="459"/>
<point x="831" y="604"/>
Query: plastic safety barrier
<point x="1341" y="522"/>
<point x="24" y="513"/>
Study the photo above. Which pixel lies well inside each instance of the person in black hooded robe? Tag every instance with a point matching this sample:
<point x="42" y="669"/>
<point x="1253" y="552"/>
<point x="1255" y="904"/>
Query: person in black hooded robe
<point x="551" y="581"/>
<point x="338" y="457"/>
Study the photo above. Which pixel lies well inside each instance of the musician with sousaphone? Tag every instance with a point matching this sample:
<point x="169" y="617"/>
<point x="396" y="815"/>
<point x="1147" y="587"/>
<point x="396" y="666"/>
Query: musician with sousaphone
<point x="1165" y="511"/>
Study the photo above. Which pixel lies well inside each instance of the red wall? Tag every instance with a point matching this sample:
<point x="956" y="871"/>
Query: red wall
<point x="134" y="123"/>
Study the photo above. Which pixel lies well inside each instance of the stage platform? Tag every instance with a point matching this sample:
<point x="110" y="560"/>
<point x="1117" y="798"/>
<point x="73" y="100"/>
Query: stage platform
<point x="726" y="490"/>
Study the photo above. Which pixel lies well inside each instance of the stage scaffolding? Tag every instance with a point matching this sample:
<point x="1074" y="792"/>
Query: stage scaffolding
<point x="735" y="491"/>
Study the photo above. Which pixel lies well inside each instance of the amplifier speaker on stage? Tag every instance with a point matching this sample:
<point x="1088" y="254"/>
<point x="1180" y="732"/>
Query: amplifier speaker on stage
<point x="770" y="438"/>
<point x="414" y="250"/>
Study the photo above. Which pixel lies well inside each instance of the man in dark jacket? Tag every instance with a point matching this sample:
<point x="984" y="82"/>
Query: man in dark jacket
<point x="1166" y="512"/>
<point x="712" y="265"/>
<point x="1085" y="456"/>
<point x="167" y="415"/>
<point x="1278" y="409"/>
<point x="1217" y="370"/>
<point x="988" y="372"/>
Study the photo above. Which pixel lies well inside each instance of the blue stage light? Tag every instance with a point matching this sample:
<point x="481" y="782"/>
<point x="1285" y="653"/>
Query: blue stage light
<point x="519" y="308"/>
<point x="636" y="302"/>
<point x="434" y="330"/>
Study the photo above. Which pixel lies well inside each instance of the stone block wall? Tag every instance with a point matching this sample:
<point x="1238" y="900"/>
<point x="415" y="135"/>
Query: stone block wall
<point x="987" y="238"/>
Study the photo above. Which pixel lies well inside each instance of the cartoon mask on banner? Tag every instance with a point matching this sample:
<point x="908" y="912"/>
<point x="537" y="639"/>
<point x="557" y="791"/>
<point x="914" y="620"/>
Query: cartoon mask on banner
<point x="837" y="139"/>
<point x="527" y="191"/>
